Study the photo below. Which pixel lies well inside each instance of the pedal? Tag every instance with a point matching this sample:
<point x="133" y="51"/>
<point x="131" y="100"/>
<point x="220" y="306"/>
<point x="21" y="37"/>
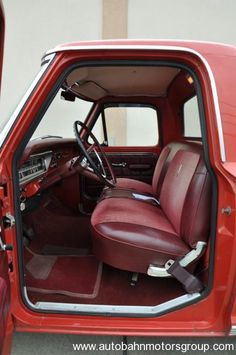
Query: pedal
<point x="134" y="279"/>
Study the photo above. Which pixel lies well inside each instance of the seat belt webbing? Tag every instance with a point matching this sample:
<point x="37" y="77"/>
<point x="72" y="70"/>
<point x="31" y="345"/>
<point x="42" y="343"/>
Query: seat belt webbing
<point x="190" y="282"/>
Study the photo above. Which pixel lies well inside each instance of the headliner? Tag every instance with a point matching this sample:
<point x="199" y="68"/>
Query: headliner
<point x="95" y="83"/>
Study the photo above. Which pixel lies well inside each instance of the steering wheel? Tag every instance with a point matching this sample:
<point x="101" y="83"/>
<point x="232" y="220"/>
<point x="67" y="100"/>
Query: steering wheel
<point x="93" y="166"/>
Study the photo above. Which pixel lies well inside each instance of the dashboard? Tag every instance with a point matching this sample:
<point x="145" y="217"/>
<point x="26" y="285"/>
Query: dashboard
<point x="45" y="162"/>
<point x="36" y="166"/>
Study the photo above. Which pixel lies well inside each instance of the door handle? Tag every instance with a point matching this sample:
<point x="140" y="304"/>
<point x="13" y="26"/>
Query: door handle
<point x="119" y="165"/>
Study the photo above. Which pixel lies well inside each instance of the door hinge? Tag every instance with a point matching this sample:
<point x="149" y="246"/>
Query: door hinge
<point x="8" y="220"/>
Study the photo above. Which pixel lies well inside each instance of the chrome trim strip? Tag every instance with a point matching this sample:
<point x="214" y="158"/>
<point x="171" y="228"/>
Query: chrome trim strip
<point x="113" y="309"/>
<point x="10" y="122"/>
<point x="27" y="298"/>
<point x="233" y="330"/>
<point x="163" y="47"/>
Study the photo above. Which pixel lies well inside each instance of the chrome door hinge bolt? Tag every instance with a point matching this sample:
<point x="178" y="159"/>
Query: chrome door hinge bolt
<point x="227" y="210"/>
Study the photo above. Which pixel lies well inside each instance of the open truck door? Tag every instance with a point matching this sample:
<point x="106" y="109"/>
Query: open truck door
<point x="5" y="318"/>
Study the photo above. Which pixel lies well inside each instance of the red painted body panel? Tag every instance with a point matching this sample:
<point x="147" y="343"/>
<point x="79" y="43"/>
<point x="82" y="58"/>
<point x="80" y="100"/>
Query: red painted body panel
<point x="6" y="326"/>
<point x="5" y="316"/>
<point x="213" y="315"/>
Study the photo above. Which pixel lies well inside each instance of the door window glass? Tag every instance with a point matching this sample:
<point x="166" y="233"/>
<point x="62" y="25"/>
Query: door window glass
<point x="191" y="119"/>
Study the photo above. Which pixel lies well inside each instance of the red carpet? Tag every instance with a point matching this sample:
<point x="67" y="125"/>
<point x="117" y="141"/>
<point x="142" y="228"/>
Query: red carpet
<point x="115" y="289"/>
<point x="54" y="225"/>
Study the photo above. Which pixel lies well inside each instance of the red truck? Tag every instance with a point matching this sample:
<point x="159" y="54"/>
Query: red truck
<point x="118" y="202"/>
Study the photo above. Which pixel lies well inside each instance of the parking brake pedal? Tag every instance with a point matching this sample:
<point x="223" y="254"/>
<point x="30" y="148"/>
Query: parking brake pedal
<point x="134" y="279"/>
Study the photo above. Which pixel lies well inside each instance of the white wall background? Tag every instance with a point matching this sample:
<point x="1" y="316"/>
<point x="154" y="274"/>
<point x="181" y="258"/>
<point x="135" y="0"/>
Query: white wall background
<point x="206" y="20"/>
<point x="33" y="26"/>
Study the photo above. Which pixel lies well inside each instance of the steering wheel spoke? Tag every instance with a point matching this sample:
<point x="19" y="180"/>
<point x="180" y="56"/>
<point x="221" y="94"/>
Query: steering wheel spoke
<point x="93" y="158"/>
<point x="100" y="164"/>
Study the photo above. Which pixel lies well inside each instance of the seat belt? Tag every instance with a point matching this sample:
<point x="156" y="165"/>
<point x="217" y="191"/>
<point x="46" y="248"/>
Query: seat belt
<point x="129" y="194"/>
<point x="190" y="282"/>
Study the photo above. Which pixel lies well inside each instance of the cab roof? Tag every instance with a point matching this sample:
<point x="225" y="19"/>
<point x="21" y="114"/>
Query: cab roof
<point x="199" y="46"/>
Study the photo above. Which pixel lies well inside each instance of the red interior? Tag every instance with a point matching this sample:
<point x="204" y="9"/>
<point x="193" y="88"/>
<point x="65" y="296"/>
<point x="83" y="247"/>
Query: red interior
<point x="61" y="231"/>
<point x="94" y="264"/>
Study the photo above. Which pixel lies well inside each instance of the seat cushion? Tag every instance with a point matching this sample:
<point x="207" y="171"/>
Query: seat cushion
<point x="136" y="185"/>
<point x="131" y="235"/>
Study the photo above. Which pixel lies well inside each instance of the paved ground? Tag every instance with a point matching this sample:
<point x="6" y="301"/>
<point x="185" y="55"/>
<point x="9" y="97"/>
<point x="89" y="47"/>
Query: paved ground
<point x="50" y="344"/>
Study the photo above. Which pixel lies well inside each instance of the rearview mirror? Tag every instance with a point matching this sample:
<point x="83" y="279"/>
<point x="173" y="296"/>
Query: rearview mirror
<point x="68" y="96"/>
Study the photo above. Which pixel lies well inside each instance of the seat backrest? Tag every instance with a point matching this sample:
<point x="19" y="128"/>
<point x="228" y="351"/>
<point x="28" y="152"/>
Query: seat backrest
<point x="195" y="222"/>
<point x="185" y="196"/>
<point x="165" y="158"/>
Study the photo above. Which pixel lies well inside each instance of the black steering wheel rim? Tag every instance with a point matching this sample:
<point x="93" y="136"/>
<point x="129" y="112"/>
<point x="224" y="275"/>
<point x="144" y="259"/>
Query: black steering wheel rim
<point x="85" y="153"/>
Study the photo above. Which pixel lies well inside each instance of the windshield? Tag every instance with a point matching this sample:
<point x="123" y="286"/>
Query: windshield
<point x="6" y="125"/>
<point x="59" y="118"/>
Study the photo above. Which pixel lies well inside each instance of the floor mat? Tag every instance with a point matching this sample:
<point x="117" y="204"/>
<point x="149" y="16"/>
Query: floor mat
<point x="73" y="276"/>
<point x="40" y="266"/>
<point x="116" y="289"/>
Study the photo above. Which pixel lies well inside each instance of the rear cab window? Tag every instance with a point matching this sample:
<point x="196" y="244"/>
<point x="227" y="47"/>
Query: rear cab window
<point x="127" y="125"/>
